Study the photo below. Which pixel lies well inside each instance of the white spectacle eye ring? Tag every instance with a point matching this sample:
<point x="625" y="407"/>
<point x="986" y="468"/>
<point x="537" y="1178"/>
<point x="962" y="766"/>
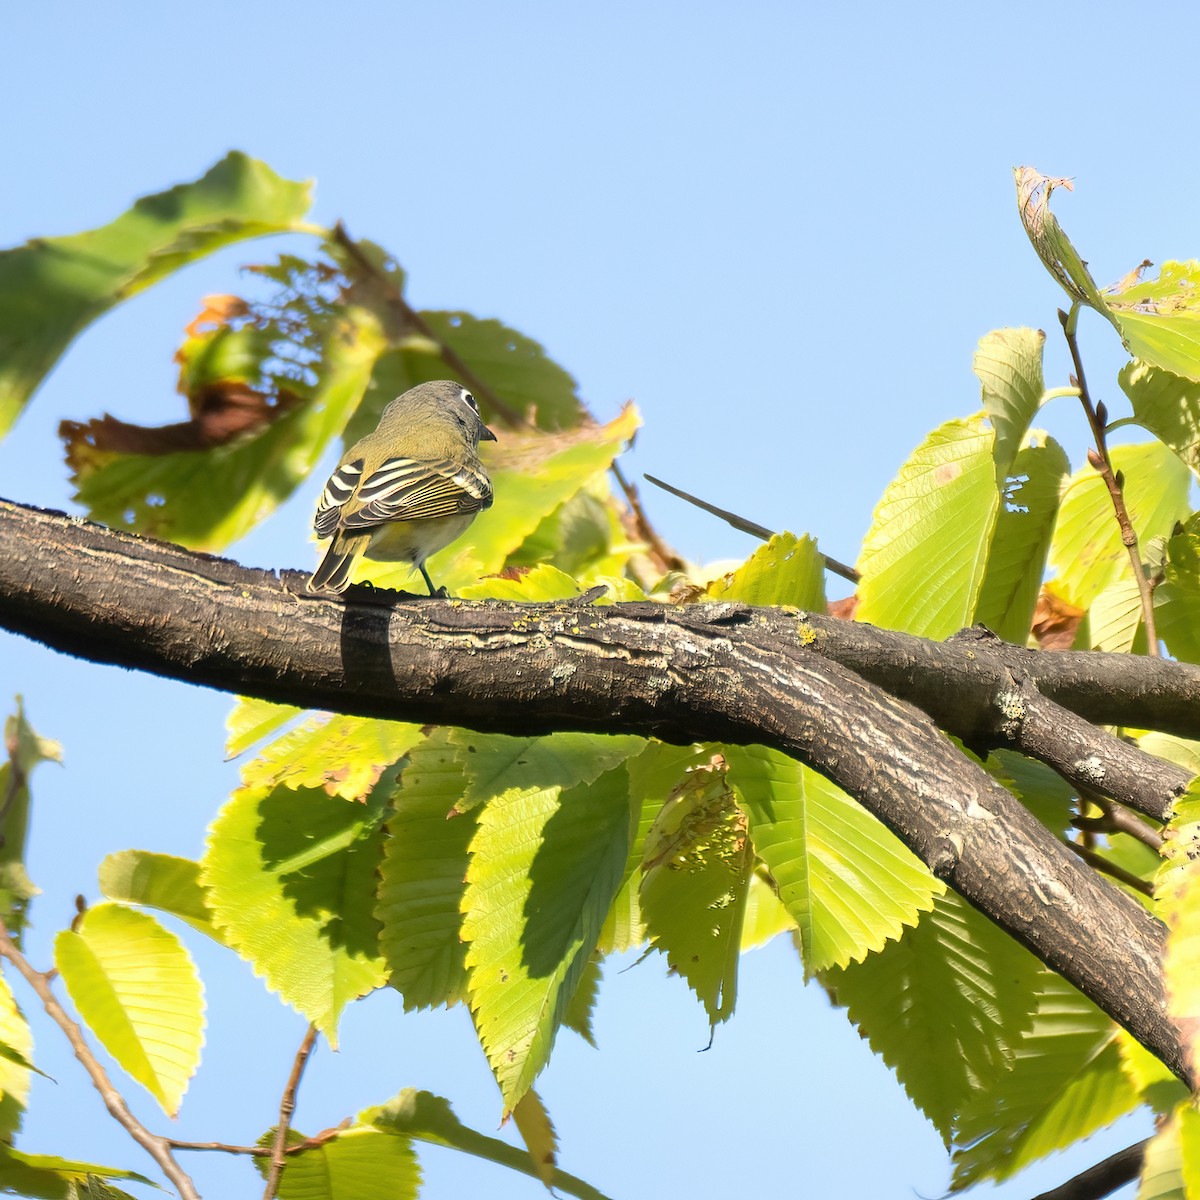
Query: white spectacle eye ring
<point x="469" y="400"/>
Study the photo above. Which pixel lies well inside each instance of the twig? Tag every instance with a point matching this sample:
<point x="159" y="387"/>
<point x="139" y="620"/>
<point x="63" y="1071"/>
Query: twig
<point x="669" y="560"/>
<point x="157" y="1147"/>
<point x="1099" y="458"/>
<point x="256" y="1151"/>
<point x="1128" y="878"/>
<point x="287" y="1106"/>
<point x="308" y="1143"/>
<point x="1102" y="1179"/>
<point x="413" y="318"/>
<point x="1116" y="818"/>
<point x="743" y="525"/>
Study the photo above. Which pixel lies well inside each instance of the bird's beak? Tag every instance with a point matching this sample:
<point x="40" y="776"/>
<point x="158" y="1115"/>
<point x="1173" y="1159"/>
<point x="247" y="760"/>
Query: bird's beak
<point x="487" y="435"/>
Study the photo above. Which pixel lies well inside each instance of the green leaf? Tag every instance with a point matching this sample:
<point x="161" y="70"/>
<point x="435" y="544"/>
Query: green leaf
<point x="653" y="775"/>
<point x="532" y="476"/>
<point x="1177" y="598"/>
<point x="52" y="1178"/>
<point x="1181" y="751"/>
<point x="359" y="1163"/>
<point x="515" y="368"/>
<point x="16" y="1053"/>
<point x="924" y="558"/>
<point x="422" y="878"/>
<point x="290" y="876"/>
<point x="137" y="988"/>
<point x="493" y="763"/>
<point x="545" y="866"/>
<point x="1153" y="1081"/>
<point x="945" y="1007"/>
<point x="848" y="883"/>
<point x="578" y="1016"/>
<point x="1054" y="249"/>
<point x="540" y="583"/>
<point x="1159" y="319"/>
<point x="52" y="288"/>
<point x="1008" y="364"/>
<point x="1087" y="555"/>
<point x="1066" y="1082"/>
<point x="1024" y="526"/>
<point x="765" y="916"/>
<point x="160" y="881"/>
<point x="537" y="1132"/>
<point x="786" y="570"/>
<point x="696" y="872"/>
<point x="1162" y="1166"/>
<point x="1177" y="896"/>
<point x="250" y="720"/>
<point x="1114" y="621"/>
<point x="25" y="749"/>
<point x="429" y="1118"/>
<point x="1040" y="788"/>
<point x="341" y="755"/>
<point x="1167" y="406"/>
<point x="206" y="499"/>
<point x="1189" y="1144"/>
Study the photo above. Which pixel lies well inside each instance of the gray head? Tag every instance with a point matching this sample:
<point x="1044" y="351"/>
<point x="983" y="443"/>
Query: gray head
<point x="440" y="402"/>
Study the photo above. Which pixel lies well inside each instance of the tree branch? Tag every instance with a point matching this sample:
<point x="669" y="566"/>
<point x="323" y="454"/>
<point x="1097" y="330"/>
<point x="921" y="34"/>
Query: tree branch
<point x="1100" y="459"/>
<point x="411" y="319"/>
<point x="287" y="1106"/>
<point x="1102" y="1179"/>
<point x="708" y="672"/>
<point x="158" y="1148"/>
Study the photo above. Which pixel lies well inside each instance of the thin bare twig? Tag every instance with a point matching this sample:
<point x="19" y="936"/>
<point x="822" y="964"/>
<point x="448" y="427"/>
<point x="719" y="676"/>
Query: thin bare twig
<point x="158" y="1148"/>
<point x="668" y="559"/>
<point x="287" y="1106"/>
<point x="308" y="1143"/>
<point x="412" y="318"/>
<point x="1116" y="818"/>
<point x="1128" y="878"/>
<point x="224" y="1147"/>
<point x="743" y="525"/>
<point x="1102" y="462"/>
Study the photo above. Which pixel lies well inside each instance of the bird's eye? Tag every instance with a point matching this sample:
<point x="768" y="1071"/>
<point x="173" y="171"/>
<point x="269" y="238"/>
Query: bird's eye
<point x="469" y="400"/>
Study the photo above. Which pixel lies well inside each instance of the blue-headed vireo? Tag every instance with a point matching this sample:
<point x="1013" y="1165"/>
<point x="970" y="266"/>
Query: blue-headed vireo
<point x="408" y="488"/>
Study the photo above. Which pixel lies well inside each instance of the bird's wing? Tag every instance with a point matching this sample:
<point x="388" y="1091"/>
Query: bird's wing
<point x="337" y="491"/>
<point x="404" y="489"/>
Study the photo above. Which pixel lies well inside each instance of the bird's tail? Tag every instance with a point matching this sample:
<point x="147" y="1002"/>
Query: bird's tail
<point x="344" y="551"/>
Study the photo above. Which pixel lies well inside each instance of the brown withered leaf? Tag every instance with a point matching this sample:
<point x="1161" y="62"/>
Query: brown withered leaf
<point x="218" y="310"/>
<point x="1055" y="622"/>
<point x="223" y="411"/>
<point x="843" y="610"/>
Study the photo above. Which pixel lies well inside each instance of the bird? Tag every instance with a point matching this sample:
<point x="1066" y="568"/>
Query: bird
<point x="407" y="489"/>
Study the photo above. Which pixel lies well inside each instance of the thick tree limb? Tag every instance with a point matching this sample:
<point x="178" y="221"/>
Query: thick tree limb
<point x="1102" y="1179"/>
<point x="711" y="672"/>
<point x="990" y="693"/>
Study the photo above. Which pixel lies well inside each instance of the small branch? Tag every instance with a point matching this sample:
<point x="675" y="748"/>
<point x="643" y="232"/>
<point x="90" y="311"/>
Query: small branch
<point x="412" y="318"/>
<point x="743" y="525"/>
<point x="157" y="1147"/>
<point x="1102" y="462"/>
<point x="1116" y="818"/>
<point x="668" y="559"/>
<point x="1128" y="878"/>
<point x="1103" y="1179"/>
<point x="224" y="1147"/>
<point x="287" y="1106"/>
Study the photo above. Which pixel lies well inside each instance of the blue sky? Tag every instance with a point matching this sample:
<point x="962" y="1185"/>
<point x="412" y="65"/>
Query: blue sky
<point x="781" y="232"/>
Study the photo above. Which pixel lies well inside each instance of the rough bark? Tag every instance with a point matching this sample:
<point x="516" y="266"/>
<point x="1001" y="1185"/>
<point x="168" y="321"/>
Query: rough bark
<point x="712" y="672"/>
